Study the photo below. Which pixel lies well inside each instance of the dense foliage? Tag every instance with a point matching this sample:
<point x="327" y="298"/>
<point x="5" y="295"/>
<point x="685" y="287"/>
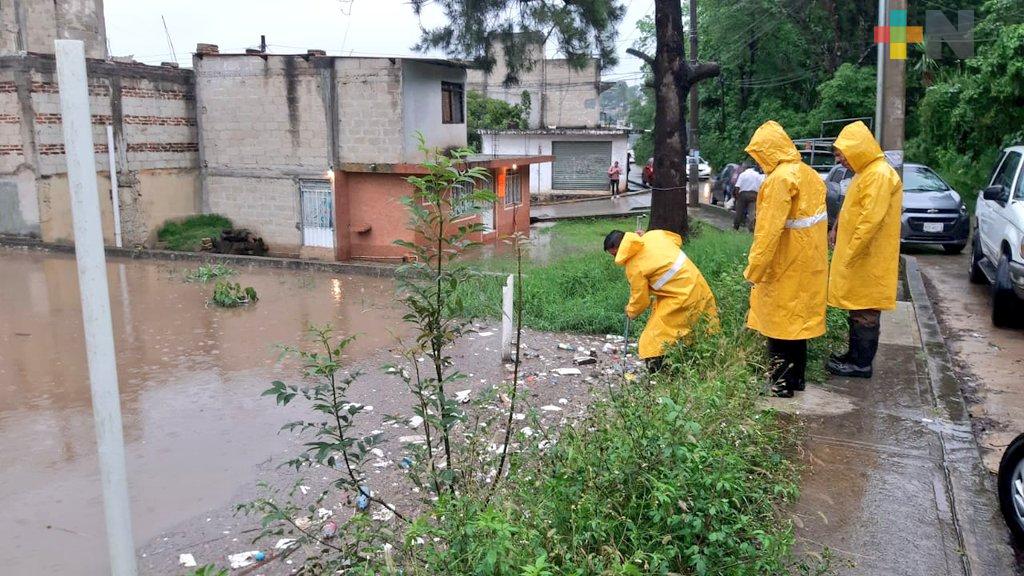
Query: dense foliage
<point x="801" y="62"/>
<point x="484" y="113"/>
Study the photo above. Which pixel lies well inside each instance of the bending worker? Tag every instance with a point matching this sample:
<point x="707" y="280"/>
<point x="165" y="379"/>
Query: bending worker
<point x="656" y="266"/>
<point x="865" y="262"/>
<point x="788" y="263"/>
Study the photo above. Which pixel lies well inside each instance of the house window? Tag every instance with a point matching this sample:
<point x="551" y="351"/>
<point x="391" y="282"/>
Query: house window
<point x="513" y="190"/>
<point x="451" y="103"/>
<point x="461" y="201"/>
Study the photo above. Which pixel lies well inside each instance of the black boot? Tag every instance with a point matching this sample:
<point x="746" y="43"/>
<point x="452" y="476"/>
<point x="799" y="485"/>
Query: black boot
<point x="863" y="347"/>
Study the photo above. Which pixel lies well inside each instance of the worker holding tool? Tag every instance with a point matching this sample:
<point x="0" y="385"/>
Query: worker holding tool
<point x="788" y="262"/>
<point x="866" y="259"/>
<point x="656" y="266"/>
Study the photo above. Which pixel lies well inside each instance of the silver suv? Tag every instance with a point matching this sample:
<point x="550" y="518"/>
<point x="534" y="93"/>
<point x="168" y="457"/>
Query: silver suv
<point x="997" y="253"/>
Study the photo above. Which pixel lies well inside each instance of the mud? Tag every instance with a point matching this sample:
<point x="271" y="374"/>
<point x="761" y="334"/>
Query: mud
<point x="990" y="360"/>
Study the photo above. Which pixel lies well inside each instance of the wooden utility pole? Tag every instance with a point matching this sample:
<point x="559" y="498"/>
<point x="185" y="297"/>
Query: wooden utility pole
<point x="692" y="172"/>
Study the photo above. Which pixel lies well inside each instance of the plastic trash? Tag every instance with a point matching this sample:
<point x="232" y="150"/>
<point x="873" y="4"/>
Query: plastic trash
<point x="567" y="371"/>
<point x="187" y="560"/>
<point x="243" y="559"/>
<point x="584" y="360"/>
<point x="463" y="396"/>
<point x="329" y="529"/>
<point x="564" y="346"/>
<point x="405" y="463"/>
<point x="363" y="501"/>
<point x="259" y="556"/>
<point x="551" y="408"/>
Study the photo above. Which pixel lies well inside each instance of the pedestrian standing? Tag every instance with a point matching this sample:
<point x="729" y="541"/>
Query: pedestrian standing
<point x="866" y="236"/>
<point x="788" y="262"/>
<point x="614" y="172"/>
<point x="748" y="183"/>
<point x="657" y="267"/>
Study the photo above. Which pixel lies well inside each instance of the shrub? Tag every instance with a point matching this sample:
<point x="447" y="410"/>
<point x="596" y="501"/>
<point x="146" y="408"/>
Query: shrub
<point x="231" y="295"/>
<point x="187" y="235"/>
<point x="207" y="272"/>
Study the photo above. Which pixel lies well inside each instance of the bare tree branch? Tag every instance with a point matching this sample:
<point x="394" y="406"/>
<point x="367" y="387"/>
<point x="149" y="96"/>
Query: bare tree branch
<point x="702" y="71"/>
<point x="634" y="52"/>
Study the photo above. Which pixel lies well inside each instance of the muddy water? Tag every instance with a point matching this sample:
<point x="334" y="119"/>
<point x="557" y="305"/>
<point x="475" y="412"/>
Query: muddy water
<point x="195" y="426"/>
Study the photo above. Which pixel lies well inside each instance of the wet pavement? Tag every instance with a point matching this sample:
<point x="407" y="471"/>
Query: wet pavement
<point x="893" y="483"/>
<point x="989" y="360"/>
<point x="633" y="202"/>
<point x="195" y="426"/>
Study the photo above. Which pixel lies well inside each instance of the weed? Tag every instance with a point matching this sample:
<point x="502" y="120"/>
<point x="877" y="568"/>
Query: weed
<point x="207" y="272"/>
<point x="232" y="295"/>
<point x="188" y="234"/>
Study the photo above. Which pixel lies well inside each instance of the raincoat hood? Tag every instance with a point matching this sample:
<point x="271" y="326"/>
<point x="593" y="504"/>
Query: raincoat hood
<point x="858" y="144"/>
<point x="771" y="146"/>
<point x="632" y="243"/>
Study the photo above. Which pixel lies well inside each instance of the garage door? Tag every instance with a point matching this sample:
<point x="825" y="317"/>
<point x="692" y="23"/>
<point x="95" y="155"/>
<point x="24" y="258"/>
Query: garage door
<point x="580" y="165"/>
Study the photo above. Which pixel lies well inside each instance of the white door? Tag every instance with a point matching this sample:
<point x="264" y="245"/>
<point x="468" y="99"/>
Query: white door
<point x="990" y="212"/>
<point x="487" y="216"/>
<point x="317" y="200"/>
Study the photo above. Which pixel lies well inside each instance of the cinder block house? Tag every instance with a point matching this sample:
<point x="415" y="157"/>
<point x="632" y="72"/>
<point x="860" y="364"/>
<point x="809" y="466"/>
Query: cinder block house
<point x="313" y="151"/>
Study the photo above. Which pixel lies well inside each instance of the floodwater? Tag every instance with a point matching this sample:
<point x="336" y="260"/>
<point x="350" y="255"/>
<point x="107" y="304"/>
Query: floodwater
<point x="190" y="378"/>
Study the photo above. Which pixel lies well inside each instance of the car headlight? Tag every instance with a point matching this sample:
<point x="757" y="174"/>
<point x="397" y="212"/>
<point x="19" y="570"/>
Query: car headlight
<point x="963" y="209"/>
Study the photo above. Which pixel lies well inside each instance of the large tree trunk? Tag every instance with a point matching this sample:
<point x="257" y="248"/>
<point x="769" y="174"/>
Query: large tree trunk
<point x="668" y="200"/>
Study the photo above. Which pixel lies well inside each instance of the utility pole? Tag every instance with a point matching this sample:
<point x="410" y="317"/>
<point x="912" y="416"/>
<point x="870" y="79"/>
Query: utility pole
<point x="263" y="43"/>
<point x="892" y="80"/>
<point x="692" y="176"/>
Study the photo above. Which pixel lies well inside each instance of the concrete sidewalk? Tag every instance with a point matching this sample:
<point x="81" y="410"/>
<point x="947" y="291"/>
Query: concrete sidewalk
<point x="893" y="483"/>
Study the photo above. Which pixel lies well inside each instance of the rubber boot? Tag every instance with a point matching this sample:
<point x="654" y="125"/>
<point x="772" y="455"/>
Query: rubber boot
<point x="863" y="346"/>
<point x="799" y="368"/>
<point x="780" y="377"/>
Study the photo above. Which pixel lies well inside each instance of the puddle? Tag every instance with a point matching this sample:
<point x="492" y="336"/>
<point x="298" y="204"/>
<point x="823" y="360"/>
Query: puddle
<point x="190" y="376"/>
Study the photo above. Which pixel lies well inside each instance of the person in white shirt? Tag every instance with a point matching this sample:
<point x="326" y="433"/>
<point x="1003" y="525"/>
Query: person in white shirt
<point x="747" y="186"/>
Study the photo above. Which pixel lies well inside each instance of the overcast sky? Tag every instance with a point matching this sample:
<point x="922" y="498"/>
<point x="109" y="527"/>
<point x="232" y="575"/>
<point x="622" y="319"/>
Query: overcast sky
<point x="360" y="27"/>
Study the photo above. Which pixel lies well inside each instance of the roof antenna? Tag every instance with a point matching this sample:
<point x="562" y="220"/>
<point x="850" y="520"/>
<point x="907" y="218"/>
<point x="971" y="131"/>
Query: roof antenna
<point x="169" y="43"/>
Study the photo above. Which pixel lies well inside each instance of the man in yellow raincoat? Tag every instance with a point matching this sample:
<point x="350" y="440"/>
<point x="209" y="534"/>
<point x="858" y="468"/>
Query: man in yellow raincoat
<point x="656" y="266"/>
<point x="788" y="262"/>
<point x="866" y="259"/>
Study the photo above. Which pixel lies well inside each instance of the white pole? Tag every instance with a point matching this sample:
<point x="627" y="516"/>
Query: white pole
<point x="92" y="285"/>
<point x="880" y="72"/>
<point x="115" y="197"/>
<point x="506" y="319"/>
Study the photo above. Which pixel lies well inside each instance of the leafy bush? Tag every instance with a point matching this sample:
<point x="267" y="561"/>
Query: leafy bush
<point x="207" y="272"/>
<point x="187" y="235"/>
<point x="231" y="295"/>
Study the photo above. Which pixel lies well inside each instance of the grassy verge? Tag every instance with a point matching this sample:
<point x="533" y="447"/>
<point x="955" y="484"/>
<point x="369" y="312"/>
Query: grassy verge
<point x="685" y="474"/>
<point x="187" y="234"/>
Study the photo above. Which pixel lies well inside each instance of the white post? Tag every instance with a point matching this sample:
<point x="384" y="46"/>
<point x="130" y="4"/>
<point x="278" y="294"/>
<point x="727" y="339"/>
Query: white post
<point x="92" y="285"/>
<point x="506" y="319"/>
<point x="115" y="197"/>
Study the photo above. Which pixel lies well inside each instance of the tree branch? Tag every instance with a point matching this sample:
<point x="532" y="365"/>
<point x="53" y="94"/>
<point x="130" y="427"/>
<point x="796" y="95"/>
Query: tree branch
<point x="702" y="71"/>
<point x="634" y="52"/>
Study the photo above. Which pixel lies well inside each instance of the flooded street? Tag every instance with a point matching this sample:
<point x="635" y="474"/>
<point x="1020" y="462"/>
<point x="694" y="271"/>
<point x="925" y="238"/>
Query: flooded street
<point x="196" y="428"/>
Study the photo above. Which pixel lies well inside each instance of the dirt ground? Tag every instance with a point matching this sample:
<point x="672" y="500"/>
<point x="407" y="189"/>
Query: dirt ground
<point x="990" y="360"/>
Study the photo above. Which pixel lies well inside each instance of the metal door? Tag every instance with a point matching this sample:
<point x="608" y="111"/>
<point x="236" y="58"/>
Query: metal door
<point x="317" y="199"/>
<point x="580" y="165"/>
<point x="487" y="216"/>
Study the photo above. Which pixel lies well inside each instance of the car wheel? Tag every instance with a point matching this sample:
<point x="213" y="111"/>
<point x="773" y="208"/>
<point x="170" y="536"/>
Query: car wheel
<point x="977" y="276"/>
<point x="1004" y="301"/>
<point x="954" y="248"/>
<point x="1011" y="487"/>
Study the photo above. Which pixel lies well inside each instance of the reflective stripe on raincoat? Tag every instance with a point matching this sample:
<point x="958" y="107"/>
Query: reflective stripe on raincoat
<point x="656" y="266"/>
<point x="866" y="259"/>
<point x="788" y="262"/>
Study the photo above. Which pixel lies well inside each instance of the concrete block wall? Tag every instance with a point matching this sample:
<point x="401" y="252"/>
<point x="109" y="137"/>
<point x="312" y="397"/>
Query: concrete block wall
<point x="268" y="206"/>
<point x="32" y="25"/>
<point x="152" y="111"/>
<point x="371" y="126"/>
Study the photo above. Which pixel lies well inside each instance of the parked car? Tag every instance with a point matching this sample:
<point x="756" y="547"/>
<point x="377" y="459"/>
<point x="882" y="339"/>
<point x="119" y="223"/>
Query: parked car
<point x="1011" y="487"/>
<point x="703" y="170"/>
<point x="933" y="213"/>
<point x="997" y="252"/>
<point x="724" y="185"/>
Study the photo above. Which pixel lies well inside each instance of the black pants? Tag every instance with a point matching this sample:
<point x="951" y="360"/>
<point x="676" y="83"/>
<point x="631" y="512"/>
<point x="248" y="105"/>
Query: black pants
<point x="745" y="200"/>
<point x="788" y="362"/>
<point x="865" y="327"/>
<point x="613" y="186"/>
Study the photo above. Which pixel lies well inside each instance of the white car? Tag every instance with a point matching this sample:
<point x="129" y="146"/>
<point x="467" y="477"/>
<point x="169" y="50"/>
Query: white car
<point x="997" y="254"/>
<point x="703" y="168"/>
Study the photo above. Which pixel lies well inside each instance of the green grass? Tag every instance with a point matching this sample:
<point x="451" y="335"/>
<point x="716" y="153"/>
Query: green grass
<point x="187" y="235"/>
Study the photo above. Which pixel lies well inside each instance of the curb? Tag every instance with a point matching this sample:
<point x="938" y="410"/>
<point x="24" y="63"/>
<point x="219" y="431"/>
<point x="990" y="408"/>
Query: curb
<point x="367" y="269"/>
<point x="982" y="536"/>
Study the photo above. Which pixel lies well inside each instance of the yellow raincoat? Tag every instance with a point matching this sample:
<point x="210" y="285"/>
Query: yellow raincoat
<point x="866" y="259"/>
<point x="788" y="263"/>
<point x="655" y="266"/>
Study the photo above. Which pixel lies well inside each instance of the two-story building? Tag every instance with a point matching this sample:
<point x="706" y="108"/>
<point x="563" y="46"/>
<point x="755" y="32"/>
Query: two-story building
<point x="313" y="151"/>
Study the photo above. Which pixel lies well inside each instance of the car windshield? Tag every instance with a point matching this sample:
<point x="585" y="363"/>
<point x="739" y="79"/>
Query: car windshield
<point x="921" y="179"/>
